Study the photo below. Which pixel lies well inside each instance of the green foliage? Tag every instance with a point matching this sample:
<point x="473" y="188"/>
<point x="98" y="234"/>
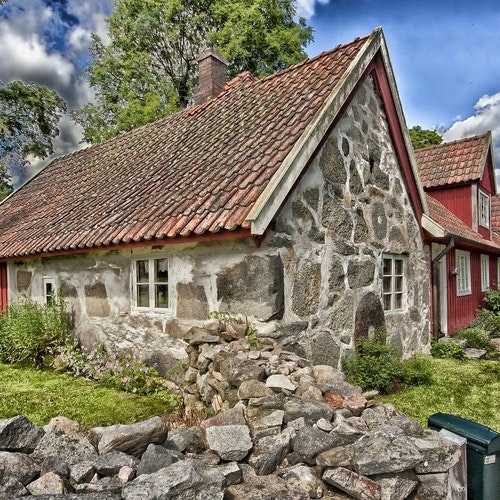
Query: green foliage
<point x="32" y="333"/>
<point x="375" y="364"/>
<point x="29" y="117"/>
<point x="417" y="371"/>
<point x="492" y="301"/>
<point x="476" y="338"/>
<point x="421" y="138"/>
<point x="487" y="320"/>
<point x="149" y="69"/>
<point x="117" y="368"/>
<point x="449" y="350"/>
<point x="226" y="318"/>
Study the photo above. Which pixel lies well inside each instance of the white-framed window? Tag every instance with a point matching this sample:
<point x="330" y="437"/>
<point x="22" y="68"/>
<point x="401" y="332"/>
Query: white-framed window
<point x="485" y="272"/>
<point x="462" y="261"/>
<point x="484" y="209"/>
<point x="49" y="290"/>
<point x="151" y="284"/>
<point x="394" y="282"/>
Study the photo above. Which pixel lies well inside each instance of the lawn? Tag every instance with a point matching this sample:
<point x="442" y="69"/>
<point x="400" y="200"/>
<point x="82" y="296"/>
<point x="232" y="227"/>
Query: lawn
<point x="43" y="394"/>
<point x="470" y="389"/>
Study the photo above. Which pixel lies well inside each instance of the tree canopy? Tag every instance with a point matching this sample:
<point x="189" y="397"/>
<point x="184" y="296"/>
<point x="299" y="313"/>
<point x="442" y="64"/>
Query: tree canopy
<point x="148" y="69"/>
<point x="421" y="138"/>
<point x="29" y="117"/>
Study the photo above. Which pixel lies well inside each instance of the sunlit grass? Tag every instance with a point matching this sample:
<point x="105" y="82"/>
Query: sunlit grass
<point x="470" y="389"/>
<point x="42" y="395"/>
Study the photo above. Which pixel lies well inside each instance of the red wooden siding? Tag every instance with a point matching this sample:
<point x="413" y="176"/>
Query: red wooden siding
<point x="3" y="287"/>
<point x="462" y="309"/>
<point x="457" y="200"/>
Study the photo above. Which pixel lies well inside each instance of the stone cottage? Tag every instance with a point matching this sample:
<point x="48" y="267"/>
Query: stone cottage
<point x="293" y="200"/>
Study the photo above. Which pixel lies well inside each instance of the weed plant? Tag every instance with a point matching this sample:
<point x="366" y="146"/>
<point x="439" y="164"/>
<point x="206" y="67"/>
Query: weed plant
<point x="117" y="368"/>
<point x="476" y="338"/>
<point x="449" y="350"/>
<point x="31" y="333"/>
<point x="378" y="365"/>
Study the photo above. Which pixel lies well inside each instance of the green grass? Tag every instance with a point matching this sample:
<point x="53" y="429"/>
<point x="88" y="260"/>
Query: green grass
<point x="43" y="394"/>
<point x="470" y="389"/>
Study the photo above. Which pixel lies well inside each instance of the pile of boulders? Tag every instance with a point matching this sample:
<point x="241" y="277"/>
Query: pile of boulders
<point x="275" y="427"/>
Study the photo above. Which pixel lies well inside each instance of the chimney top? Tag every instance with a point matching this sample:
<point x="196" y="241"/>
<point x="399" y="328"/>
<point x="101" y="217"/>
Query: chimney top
<point x="212" y="72"/>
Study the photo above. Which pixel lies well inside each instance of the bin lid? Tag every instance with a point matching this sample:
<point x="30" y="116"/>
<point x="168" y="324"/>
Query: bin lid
<point x="474" y="432"/>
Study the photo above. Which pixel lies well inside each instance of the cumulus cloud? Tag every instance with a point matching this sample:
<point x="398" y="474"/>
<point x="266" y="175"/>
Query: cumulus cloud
<point x="486" y="117"/>
<point x="305" y="8"/>
<point x="25" y="57"/>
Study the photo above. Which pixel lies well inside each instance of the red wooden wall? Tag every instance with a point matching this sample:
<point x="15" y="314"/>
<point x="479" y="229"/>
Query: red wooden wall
<point x="3" y="287"/>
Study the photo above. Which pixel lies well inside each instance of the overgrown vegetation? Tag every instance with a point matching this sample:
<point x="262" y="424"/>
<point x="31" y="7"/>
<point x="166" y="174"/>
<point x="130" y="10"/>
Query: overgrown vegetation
<point x="39" y="336"/>
<point x="378" y="365"/>
<point x="32" y="333"/>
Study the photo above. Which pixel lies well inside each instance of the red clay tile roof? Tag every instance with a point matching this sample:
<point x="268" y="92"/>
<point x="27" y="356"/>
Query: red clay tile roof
<point x="193" y="173"/>
<point x="495" y="213"/>
<point x="456" y="227"/>
<point x="454" y="162"/>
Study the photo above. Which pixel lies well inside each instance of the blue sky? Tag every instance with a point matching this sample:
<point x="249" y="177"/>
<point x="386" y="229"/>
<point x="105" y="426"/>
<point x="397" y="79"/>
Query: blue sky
<point x="445" y="53"/>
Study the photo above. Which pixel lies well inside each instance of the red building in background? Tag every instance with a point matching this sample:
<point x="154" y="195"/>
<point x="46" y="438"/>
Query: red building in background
<point x="459" y="180"/>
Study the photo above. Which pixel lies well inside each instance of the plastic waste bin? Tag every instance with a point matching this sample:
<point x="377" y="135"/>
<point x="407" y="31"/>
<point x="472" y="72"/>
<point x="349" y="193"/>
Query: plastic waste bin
<point x="483" y="454"/>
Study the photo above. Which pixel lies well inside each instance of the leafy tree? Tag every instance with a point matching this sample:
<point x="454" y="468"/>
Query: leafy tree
<point x="29" y="116"/>
<point x="421" y="138"/>
<point x="149" y="68"/>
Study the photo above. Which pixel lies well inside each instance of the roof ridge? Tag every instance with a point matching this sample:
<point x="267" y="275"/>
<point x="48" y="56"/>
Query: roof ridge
<point x="450" y="143"/>
<point x="310" y="60"/>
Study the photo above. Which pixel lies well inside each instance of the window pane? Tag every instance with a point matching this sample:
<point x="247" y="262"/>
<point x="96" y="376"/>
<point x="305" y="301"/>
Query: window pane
<point x="387" y="267"/>
<point x="387" y="302"/>
<point x="143" y="295"/>
<point x="398" y="264"/>
<point x="398" y="301"/>
<point x="399" y="284"/>
<point x="161" y="296"/>
<point x="387" y="284"/>
<point x="142" y="271"/>
<point x="161" y="271"/>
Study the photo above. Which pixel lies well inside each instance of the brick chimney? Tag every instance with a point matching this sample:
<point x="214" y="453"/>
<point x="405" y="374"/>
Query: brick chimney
<point x="212" y="72"/>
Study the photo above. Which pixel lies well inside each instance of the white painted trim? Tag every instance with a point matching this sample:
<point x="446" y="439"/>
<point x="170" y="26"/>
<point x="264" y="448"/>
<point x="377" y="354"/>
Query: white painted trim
<point x="433" y="227"/>
<point x="443" y="287"/>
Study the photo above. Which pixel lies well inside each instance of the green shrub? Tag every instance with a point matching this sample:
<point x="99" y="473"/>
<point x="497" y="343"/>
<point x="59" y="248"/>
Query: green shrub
<point x="447" y="350"/>
<point x="488" y="321"/>
<point x="475" y="337"/>
<point x="32" y="333"/>
<point x="374" y="365"/>
<point x="417" y="371"/>
<point x="492" y="301"/>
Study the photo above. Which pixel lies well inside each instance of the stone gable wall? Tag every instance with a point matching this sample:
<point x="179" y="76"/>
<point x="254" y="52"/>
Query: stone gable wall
<point x="349" y="209"/>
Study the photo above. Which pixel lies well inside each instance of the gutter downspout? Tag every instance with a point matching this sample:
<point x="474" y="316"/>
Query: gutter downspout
<point x="436" y="286"/>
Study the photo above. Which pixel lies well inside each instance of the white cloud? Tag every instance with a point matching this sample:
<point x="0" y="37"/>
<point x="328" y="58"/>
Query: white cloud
<point x="486" y="117"/>
<point x="305" y="8"/>
<point x="25" y="57"/>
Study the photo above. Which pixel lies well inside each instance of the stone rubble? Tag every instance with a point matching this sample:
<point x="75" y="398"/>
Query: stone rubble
<point x="277" y="427"/>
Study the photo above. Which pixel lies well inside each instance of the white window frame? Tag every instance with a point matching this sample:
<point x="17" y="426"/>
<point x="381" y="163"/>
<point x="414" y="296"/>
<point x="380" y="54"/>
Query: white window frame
<point x="485" y="272"/>
<point x="484" y="209"/>
<point x="462" y="263"/>
<point x="151" y="285"/>
<point x="394" y="283"/>
<point x="49" y="282"/>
